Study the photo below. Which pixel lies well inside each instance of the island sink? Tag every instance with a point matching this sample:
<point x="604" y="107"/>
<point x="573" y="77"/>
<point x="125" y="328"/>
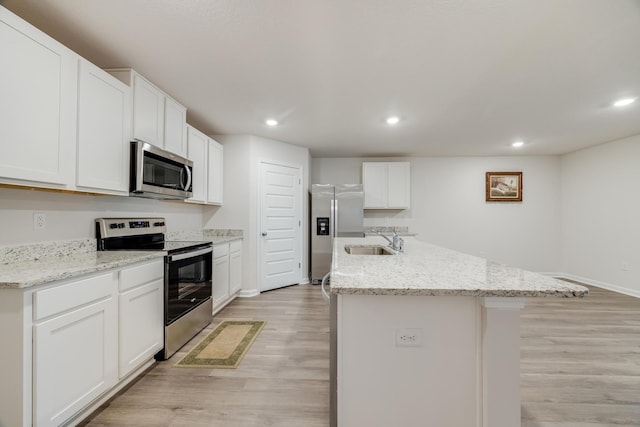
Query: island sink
<point x="368" y="250"/>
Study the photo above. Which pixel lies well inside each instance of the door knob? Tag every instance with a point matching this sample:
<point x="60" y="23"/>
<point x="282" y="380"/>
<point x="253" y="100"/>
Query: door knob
<point x="264" y="233"/>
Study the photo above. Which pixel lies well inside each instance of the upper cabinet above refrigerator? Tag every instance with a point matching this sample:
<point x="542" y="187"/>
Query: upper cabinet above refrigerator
<point x="387" y="185"/>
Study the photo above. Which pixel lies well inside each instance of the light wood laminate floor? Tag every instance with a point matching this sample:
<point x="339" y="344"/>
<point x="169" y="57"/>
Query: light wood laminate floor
<point x="580" y="363"/>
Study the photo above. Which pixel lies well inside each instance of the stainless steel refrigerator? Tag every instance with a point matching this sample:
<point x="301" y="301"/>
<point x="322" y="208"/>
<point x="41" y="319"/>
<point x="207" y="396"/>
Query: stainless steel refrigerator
<point x="336" y="211"/>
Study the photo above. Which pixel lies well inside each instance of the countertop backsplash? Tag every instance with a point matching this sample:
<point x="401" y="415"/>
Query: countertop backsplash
<point x="388" y="230"/>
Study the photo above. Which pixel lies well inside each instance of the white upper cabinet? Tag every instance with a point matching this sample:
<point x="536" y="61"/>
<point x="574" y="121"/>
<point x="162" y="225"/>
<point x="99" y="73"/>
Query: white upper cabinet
<point x="215" y="178"/>
<point x="175" y="127"/>
<point x="104" y="131"/>
<point x="157" y="118"/>
<point x="38" y="104"/>
<point x="206" y="155"/>
<point x="387" y="185"/>
<point x="197" y="153"/>
<point x="148" y="112"/>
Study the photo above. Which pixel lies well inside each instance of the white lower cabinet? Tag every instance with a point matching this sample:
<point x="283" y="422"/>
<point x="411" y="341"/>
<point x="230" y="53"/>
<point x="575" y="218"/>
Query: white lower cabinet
<point x="220" y="277"/>
<point x="227" y="273"/>
<point x="141" y="312"/>
<point x="74" y="350"/>
<point x="71" y="344"/>
<point x="235" y="266"/>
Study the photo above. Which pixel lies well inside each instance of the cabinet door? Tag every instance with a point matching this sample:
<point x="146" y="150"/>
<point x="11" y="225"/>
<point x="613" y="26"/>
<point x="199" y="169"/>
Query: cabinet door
<point x="104" y="131"/>
<point x="215" y="177"/>
<point x="148" y="112"/>
<point x="175" y="127"/>
<point x="197" y="153"/>
<point x="75" y="360"/>
<point x="235" y="267"/>
<point x="220" y="291"/>
<point x="374" y="180"/>
<point x="141" y="325"/>
<point x="38" y="104"/>
<point x="399" y="185"/>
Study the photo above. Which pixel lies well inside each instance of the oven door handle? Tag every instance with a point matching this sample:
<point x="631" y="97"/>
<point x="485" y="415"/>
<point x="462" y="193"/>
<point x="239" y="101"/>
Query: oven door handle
<point x="191" y="254"/>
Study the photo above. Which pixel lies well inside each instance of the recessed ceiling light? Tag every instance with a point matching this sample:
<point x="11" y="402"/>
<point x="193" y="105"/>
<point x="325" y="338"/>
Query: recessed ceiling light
<point x="517" y="144"/>
<point x="624" y="102"/>
<point x="271" y="122"/>
<point x="393" y="120"/>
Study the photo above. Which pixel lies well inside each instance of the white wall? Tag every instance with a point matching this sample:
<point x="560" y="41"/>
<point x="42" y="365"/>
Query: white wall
<point x="448" y="206"/>
<point x="242" y="157"/>
<point x="601" y="214"/>
<point x="71" y="216"/>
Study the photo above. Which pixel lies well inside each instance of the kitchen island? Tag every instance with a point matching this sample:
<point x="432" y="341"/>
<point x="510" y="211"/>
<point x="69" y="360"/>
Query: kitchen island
<point x="428" y="337"/>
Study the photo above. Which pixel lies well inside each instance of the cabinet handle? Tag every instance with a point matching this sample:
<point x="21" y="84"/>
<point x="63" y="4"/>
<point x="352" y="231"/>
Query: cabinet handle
<point x="264" y="233"/>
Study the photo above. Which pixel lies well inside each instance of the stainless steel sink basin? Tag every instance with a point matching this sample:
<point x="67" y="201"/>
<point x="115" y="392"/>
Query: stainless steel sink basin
<point x="367" y="250"/>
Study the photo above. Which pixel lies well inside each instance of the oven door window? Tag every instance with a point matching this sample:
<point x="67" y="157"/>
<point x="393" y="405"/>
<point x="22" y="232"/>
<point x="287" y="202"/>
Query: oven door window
<point x="189" y="284"/>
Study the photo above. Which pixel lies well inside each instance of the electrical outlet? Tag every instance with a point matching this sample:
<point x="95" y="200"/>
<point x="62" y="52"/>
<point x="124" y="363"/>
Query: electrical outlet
<point x="408" y="337"/>
<point x="39" y="221"/>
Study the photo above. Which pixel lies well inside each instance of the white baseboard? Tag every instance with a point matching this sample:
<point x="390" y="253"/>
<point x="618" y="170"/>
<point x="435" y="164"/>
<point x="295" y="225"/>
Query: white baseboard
<point x="603" y="285"/>
<point x="249" y="293"/>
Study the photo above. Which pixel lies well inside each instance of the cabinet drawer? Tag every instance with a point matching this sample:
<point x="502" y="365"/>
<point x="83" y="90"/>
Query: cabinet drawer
<point x="235" y="246"/>
<point x="141" y="274"/>
<point x="58" y="299"/>
<point x="220" y="250"/>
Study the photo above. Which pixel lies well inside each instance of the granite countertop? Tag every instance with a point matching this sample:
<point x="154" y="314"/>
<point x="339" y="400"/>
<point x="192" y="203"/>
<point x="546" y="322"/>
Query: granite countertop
<point x="34" y="264"/>
<point x="426" y="269"/>
<point x="208" y="235"/>
<point x="49" y="269"/>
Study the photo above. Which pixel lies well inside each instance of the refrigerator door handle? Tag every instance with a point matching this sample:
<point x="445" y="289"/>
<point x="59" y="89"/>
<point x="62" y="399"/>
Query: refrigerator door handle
<point x="335" y="218"/>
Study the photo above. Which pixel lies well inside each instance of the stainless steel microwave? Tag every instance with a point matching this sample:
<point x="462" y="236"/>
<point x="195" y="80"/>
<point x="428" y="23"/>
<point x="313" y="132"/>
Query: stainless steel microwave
<point x="159" y="174"/>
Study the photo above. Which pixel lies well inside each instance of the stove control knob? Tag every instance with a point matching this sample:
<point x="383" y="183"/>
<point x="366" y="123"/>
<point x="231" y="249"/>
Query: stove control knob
<point x="121" y="225"/>
<point x="114" y="225"/>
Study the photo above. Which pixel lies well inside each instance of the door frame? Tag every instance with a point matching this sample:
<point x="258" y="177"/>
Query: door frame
<point x="259" y="240"/>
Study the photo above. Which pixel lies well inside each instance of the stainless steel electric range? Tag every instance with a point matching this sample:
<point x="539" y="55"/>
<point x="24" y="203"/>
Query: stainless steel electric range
<point x="187" y="274"/>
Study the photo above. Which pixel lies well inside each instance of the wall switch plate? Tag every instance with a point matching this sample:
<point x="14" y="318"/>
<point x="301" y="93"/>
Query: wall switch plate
<point x="39" y="221"/>
<point x="408" y="337"/>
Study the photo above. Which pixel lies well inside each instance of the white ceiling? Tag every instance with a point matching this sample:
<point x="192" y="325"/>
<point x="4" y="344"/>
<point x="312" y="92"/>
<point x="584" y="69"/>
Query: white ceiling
<point x="466" y="77"/>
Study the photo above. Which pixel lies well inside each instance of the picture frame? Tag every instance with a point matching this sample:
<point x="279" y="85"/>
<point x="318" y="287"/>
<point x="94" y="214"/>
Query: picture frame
<point x="503" y="186"/>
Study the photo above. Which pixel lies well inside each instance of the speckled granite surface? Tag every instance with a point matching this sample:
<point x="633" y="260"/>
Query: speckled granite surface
<point x="425" y="269"/>
<point x="34" y="264"/>
<point x="51" y="268"/>
<point x="215" y="236"/>
<point x="36" y="251"/>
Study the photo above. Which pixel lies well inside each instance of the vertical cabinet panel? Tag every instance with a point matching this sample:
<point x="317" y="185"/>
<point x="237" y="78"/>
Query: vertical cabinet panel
<point x="140" y="325"/>
<point x="374" y="180"/>
<point x="38" y="99"/>
<point x="399" y="187"/>
<point x="235" y="267"/>
<point x="104" y="130"/>
<point x="148" y="112"/>
<point x="220" y="291"/>
<point x="197" y="153"/>
<point x="175" y="127"/>
<point x="75" y="360"/>
<point x="215" y="177"/>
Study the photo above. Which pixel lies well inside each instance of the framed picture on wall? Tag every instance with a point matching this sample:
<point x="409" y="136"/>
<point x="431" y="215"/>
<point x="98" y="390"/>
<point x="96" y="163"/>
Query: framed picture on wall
<point x="503" y="186"/>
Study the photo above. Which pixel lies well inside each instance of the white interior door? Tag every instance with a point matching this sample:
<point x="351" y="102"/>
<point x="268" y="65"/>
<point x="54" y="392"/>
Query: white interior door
<point x="280" y="226"/>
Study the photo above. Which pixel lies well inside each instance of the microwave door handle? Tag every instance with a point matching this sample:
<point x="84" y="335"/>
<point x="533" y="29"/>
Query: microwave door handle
<point x="186" y="168"/>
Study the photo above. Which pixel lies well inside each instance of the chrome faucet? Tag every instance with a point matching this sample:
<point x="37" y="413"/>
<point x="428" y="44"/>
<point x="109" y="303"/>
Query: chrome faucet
<point x="396" y="242"/>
